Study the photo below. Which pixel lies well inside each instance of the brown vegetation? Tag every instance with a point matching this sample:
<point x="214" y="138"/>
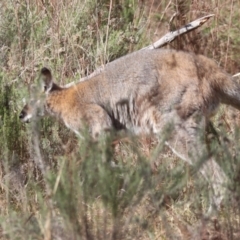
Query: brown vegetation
<point x="54" y="186"/>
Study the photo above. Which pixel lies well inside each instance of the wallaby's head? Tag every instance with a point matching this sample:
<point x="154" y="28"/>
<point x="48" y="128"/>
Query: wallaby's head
<point x="29" y="110"/>
<point x="33" y="108"/>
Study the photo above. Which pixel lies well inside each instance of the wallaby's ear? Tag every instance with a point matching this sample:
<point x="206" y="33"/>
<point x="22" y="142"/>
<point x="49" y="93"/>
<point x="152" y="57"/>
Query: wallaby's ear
<point x="47" y="79"/>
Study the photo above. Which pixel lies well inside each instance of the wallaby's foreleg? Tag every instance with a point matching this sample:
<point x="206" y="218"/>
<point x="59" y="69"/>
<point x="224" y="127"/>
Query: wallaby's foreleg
<point x="97" y="120"/>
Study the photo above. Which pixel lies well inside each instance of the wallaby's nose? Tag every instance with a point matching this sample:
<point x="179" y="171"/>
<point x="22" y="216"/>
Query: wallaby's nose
<point x="21" y="115"/>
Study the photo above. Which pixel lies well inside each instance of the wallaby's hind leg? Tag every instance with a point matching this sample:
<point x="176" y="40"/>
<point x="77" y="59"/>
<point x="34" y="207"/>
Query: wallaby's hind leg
<point x="189" y="145"/>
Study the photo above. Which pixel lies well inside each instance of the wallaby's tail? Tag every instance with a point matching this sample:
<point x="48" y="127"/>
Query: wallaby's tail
<point x="225" y="86"/>
<point x="229" y="92"/>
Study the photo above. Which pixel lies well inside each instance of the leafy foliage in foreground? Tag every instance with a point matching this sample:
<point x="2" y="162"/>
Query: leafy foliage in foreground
<point x="55" y="186"/>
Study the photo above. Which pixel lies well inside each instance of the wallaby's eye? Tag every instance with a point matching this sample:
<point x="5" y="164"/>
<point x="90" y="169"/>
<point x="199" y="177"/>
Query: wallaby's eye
<point x="45" y="88"/>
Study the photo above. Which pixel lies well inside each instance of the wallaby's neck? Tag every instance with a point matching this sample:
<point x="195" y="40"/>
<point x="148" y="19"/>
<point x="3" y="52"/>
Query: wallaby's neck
<point x="55" y="87"/>
<point x="53" y="102"/>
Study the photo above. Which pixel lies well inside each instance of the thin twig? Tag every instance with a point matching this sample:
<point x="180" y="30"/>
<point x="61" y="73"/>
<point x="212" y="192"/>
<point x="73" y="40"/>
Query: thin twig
<point x="228" y="39"/>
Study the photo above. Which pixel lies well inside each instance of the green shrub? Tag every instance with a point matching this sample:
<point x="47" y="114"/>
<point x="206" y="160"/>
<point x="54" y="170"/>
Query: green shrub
<point x="56" y="186"/>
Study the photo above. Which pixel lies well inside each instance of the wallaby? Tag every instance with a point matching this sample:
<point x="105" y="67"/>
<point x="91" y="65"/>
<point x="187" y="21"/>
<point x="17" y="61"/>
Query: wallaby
<point x="144" y="92"/>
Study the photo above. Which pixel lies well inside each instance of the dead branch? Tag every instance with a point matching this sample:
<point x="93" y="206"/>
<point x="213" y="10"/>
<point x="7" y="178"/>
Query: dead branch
<point x="169" y="37"/>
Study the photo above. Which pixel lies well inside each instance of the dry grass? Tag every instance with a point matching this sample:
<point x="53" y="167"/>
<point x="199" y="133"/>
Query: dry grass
<point x="54" y="186"/>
